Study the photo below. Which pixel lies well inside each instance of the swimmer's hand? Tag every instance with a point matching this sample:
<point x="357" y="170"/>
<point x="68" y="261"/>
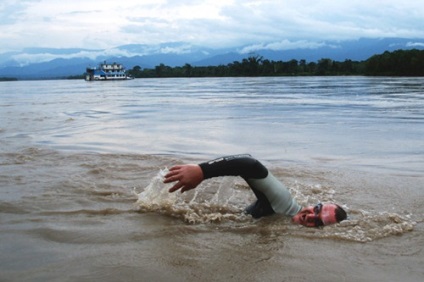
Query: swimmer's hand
<point x="188" y="177"/>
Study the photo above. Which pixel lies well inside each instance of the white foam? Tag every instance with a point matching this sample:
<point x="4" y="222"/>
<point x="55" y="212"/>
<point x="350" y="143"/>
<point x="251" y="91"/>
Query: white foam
<point x="155" y="195"/>
<point x="223" y="199"/>
<point x="209" y="202"/>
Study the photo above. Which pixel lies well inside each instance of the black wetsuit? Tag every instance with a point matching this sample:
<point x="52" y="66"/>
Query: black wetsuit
<point x="272" y="196"/>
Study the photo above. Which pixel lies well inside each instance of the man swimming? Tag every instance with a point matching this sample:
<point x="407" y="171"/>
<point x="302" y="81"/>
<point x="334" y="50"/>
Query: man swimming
<point x="272" y="196"/>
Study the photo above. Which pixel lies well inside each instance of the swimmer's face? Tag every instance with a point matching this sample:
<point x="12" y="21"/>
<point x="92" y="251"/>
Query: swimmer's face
<point x="315" y="216"/>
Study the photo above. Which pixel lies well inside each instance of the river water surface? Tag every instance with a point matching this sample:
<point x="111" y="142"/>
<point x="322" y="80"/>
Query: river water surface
<point x="81" y="197"/>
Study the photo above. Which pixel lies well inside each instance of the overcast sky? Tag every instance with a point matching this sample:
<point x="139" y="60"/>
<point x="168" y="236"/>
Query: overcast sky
<point x="95" y="24"/>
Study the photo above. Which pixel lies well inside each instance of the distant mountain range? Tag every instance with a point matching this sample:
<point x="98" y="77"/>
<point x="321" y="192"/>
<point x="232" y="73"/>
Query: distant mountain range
<point x="33" y="63"/>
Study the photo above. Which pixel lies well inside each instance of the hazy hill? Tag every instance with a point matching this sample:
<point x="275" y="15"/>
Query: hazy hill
<point x="31" y="63"/>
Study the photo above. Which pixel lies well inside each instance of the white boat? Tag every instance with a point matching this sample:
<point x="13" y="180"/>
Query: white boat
<point x="106" y="71"/>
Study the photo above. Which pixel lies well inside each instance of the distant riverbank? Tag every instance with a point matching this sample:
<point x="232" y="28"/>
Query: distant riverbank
<point x="397" y="63"/>
<point x="8" y="79"/>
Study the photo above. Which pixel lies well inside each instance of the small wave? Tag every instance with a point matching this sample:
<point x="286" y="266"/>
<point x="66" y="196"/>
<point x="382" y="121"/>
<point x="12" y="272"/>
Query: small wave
<point x="107" y="211"/>
<point x="364" y="228"/>
<point x="370" y="227"/>
<point x="24" y="156"/>
<point x="12" y="208"/>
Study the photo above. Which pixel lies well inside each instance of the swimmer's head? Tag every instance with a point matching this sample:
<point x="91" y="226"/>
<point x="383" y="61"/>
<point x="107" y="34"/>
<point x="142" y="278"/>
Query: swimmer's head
<point x="320" y="215"/>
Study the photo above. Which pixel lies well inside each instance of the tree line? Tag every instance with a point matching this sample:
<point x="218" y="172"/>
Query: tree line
<point x="396" y="63"/>
<point x="8" y="79"/>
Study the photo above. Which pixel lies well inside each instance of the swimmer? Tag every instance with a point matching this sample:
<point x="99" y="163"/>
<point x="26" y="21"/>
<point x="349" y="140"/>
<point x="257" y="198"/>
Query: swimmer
<point x="272" y="196"/>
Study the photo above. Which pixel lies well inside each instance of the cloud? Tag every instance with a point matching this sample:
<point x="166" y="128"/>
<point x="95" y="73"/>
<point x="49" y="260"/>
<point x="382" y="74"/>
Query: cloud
<point x="284" y="45"/>
<point x="185" y="49"/>
<point x="24" y="59"/>
<point x="415" y="44"/>
<point x="214" y="23"/>
<point x="27" y="58"/>
<point x="40" y="55"/>
<point x="12" y="11"/>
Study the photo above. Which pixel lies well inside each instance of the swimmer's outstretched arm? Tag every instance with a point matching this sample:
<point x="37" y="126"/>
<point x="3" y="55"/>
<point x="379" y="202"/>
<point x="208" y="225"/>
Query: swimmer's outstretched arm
<point x="190" y="176"/>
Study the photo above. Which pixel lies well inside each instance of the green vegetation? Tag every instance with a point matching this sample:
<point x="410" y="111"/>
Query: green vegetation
<point x="75" y="76"/>
<point x="8" y="79"/>
<point x="397" y="63"/>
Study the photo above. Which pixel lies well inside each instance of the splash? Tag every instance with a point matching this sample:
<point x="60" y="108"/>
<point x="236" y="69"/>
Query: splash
<point x="223" y="200"/>
<point x="361" y="226"/>
<point x="366" y="227"/>
<point x="156" y="195"/>
<point x="204" y="204"/>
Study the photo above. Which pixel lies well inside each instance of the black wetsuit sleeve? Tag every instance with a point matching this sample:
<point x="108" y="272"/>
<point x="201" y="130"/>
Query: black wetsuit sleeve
<point x="237" y="165"/>
<point x="246" y="167"/>
<point x="272" y="196"/>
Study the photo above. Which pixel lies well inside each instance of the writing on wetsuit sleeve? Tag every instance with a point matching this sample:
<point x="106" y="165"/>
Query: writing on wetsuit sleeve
<point x="229" y="158"/>
<point x="236" y="165"/>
